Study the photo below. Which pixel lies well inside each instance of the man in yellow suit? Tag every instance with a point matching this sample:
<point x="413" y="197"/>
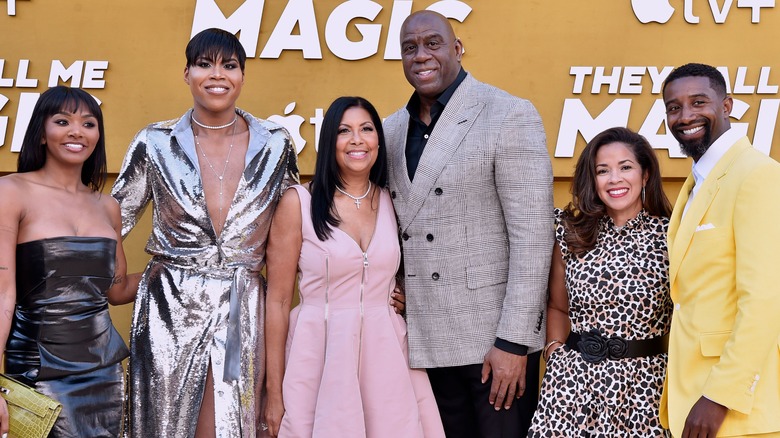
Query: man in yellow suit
<point x="723" y="377"/>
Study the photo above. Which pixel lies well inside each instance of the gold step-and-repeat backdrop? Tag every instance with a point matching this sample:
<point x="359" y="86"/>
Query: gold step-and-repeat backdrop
<point x="586" y="65"/>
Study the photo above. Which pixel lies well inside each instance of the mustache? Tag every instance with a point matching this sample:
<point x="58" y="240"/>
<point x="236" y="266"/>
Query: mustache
<point x="701" y="121"/>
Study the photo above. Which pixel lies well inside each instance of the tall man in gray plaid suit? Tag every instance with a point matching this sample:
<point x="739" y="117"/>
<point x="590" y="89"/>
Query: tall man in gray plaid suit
<point x="471" y="181"/>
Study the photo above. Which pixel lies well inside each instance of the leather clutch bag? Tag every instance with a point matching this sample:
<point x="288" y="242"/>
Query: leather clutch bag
<point x="32" y="414"/>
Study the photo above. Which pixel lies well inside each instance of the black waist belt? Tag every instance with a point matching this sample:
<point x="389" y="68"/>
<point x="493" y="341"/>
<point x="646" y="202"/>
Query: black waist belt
<point x="595" y="347"/>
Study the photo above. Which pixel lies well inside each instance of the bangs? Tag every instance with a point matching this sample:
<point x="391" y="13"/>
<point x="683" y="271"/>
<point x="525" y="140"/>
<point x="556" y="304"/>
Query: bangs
<point x="213" y="44"/>
<point x="215" y="53"/>
<point x="72" y="102"/>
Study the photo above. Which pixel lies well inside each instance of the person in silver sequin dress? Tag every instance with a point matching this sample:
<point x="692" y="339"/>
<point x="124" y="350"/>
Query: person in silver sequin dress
<point x="214" y="177"/>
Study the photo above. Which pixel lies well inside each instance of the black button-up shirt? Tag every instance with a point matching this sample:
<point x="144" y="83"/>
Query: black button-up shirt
<point x="419" y="132"/>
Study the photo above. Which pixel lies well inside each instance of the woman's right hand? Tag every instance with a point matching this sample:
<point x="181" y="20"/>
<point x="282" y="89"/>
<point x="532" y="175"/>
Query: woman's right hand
<point x="3" y="417"/>
<point x="273" y="413"/>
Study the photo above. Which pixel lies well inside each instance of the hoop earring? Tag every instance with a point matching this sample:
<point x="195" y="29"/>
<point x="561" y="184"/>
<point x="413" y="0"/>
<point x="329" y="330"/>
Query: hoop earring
<point x="643" y="196"/>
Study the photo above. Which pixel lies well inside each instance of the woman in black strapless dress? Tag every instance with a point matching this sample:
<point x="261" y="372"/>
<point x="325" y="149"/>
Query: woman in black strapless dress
<point x="61" y="265"/>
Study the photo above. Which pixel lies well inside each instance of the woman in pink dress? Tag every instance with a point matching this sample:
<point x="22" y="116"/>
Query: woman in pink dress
<point x="337" y="364"/>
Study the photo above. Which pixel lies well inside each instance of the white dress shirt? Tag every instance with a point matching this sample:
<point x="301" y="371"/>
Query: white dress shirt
<point x="702" y="168"/>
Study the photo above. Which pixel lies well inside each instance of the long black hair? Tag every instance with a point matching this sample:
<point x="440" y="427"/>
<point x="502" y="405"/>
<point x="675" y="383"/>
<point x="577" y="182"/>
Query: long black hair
<point x="326" y="170"/>
<point x="52" y="101"/>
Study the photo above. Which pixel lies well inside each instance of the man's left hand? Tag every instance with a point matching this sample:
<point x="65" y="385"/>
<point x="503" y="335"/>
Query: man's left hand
<point x="398" y="300"/>
<point x="705" y="419"/>
<point x="508" y="376"/>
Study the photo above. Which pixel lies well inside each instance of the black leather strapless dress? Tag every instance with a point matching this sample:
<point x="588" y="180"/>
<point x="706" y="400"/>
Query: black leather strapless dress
<point x="62" y="340"/>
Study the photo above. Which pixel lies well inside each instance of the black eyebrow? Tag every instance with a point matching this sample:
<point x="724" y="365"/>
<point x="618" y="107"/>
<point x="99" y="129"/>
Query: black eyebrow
<point x="68" y="113"/>
<point x="628" y="160"/>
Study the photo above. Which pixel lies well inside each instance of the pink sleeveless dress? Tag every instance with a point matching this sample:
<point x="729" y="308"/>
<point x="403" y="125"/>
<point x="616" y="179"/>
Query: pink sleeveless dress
<point x="347" y="369"/>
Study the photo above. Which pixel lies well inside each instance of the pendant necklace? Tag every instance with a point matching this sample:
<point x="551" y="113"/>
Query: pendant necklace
<point x="220" y="177"/>
<point x="356" y="198"/>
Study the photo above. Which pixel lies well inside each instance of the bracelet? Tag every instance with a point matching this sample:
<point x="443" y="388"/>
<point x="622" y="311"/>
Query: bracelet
<point x="547" y="347"/>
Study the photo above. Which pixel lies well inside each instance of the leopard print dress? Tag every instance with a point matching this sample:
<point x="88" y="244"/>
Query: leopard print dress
<point x="620" y="287"/>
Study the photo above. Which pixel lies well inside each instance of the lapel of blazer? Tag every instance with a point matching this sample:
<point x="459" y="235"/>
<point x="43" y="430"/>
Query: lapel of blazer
<point x="681" y="231"/>
<point x="674" y="225"/>
<point x="396" y="137"/>
<point x="453" y="125"/>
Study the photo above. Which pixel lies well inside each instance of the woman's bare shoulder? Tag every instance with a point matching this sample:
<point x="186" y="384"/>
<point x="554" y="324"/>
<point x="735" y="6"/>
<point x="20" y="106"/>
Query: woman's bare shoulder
<point x="107" y="201"/>
<point x="13" y="186"/>
<point x="14" y="189"/>
<point x="110" y="206"/>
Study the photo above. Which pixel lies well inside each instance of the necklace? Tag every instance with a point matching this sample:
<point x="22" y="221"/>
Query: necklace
<point x="220" y="177"/>
<point x="192" y="116"/>
<point x="356" y="198"/>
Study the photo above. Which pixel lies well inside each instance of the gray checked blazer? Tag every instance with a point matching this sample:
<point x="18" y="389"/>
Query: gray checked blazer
<point x="476" y="226"/>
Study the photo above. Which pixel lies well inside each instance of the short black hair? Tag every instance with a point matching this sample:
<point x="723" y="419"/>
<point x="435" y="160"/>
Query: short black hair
<point x="717" y="82"/>
<point x="215" y="43"/>
<point x="326" y="170"/>
<point x="52" y="101"/>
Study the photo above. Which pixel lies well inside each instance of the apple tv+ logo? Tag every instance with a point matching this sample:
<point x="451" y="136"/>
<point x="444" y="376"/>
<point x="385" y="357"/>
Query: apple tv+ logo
<point x="660" y="11"/>
<point x="292" y="123"/>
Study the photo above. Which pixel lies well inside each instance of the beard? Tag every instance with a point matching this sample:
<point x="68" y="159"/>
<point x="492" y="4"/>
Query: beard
<point x="695" y="148"/>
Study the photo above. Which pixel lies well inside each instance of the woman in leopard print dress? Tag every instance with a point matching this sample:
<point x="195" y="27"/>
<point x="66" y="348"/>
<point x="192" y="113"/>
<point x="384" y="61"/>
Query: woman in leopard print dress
<point x="609" y="308"/>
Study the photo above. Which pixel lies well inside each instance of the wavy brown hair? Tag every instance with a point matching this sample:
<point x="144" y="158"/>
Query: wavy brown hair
<point x="581" y="217"/>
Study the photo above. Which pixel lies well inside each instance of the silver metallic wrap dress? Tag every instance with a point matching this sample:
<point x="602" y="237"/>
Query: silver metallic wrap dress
<point x="201" y="299"/>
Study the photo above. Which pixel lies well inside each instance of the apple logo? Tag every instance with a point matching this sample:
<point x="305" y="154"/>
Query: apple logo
<point x="646" y="11"/>
<point x="293" y="125"/>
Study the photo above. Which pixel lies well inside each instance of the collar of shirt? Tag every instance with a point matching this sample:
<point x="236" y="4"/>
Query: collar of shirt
<point x="413" y="106"/>
<point x="184" y="135"/>
<point x="702" y="168"/>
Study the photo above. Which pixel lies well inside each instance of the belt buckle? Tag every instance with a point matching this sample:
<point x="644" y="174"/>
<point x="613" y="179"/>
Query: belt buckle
<point x="595" y="347"/>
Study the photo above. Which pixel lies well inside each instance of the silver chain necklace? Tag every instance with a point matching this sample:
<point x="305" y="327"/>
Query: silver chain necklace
<point x="220" y="177"/>
<point x="356" y="198"/>
<point x="192" y="116"/>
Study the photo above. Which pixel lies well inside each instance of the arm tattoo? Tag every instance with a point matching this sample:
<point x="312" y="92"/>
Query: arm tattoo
<point x="118" y="280"/>
<point x="3" y="268"/>
<point x="9" y="314"/>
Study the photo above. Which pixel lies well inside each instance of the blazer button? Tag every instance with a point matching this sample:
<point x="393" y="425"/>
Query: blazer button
<point x="435" y="276"/>
<point x="438" y="191"/>
<point x="429" y="237"/>
<point x="392" y="194"/>
<point x="405" y="236"/>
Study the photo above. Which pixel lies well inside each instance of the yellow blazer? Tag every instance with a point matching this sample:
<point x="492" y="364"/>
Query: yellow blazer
<point x="724" y="271"/>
